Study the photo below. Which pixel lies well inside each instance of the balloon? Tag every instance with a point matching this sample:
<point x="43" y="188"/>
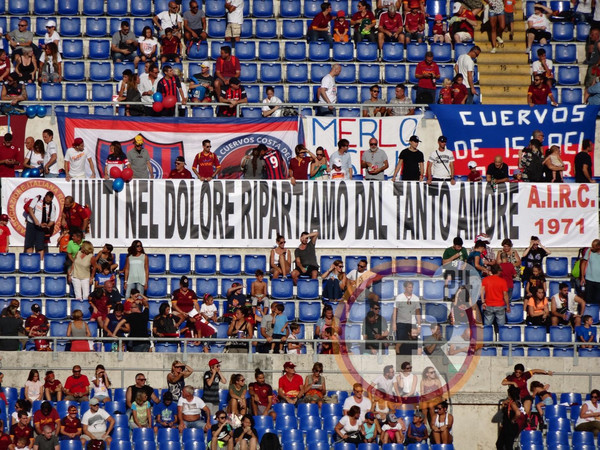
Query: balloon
<point x="41" y="111"/>
<point x="127" y="174"/>
<point x="169" y="101"/>
<point x="34" y="173"/>
<point x="115" y="172"/>
<point x="157" y="106"/>
<point x="26" y="173"/>
<point x="31" y="111"/>
<point x="157" y="97"/>
<point x="118" y="184"/>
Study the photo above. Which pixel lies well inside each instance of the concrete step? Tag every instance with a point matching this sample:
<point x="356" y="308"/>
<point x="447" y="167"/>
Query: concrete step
<point x="504" y="79"/>
<point x="502" y="69"/>
<point x="509" y="46"/>
<point x="510" y="91"/>
<point x="503" y="100"/>
<point x="502" y="57"/>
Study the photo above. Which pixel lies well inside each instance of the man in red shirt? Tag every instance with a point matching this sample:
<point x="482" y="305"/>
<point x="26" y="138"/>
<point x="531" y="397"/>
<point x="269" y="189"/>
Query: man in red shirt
<point x="74" y="216"/>
<point x="414" y="23"/>
<point x="9" y="157"/>
<point x="275" y="166"/>
<point x="494" y="295"/>
<point x="291" y="385"/>
<point x="539" y="91"/>
<point x="72" y="425"/>
<point x="319" y="28"/>
<point x="180" y="172"/>
<point x="299" y="165"/>
<point x="206" y="165"/>
<point x="390" y="27"/>
<point x="467" y="23"/>
<point x="227" y="66"/>
<point x="46" y="415"/>
<point x="22" y="429"/>
<point x="4" y="437"/>
<point x="427" y="72"/>
<point x="77" y="386"/>
<point x="37" y="325"/>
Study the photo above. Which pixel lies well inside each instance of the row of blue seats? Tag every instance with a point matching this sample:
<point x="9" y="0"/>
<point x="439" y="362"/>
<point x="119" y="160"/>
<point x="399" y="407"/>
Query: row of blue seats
<point x="580" y="440"/>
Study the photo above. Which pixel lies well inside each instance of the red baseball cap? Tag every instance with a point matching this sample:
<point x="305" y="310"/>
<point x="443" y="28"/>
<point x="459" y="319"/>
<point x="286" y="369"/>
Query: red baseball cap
<point x="213" y="362"/>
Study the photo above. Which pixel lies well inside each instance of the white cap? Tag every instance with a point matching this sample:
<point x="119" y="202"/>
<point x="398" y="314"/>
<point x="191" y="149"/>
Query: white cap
<point x="472" y="164"/>
<point x="456" y="7"/>
<point x="50" y="23"/>
<point x="205" y="64"/>
<point x="337" y="162"/>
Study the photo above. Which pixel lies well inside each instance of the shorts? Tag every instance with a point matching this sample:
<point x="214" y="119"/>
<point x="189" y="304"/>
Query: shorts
<point x="309" y="269"/>
<point x="96" y="436"/>
<point x="170" y="56"/>
<point x="34" y="237"/>
<point x="496" y="13"/>
<point x="97" y="315"/>
<point x="509" y="17"/>
<point x="233" y="30"/>
<point x="415" y="36"/>
<point x="464" y="36"/>
<point x="387" y="38"/>
<point x="539" y="34"/>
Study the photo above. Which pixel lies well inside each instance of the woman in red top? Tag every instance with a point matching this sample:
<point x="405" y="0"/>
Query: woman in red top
<point x="363" y="22"/>
<point x="299" y="164"/>
<point x="459" y="90"/>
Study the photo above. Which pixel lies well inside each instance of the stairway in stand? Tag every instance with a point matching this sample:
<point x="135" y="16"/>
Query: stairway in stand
<point x="504" y="76"/>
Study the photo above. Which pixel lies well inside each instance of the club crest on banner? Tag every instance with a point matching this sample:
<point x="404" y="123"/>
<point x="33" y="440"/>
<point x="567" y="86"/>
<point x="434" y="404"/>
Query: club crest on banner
<point x="162" y="155"/>
<point x="27" y="191"/>
<point x="231" y="152"/>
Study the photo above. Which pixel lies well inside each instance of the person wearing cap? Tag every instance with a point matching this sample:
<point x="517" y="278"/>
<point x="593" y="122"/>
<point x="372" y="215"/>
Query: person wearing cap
<point x="393" y="431"/>
<point x="52" y="36"/>
<point x="327" y="92"/>
<point x="184" y="300"/>
<point x="4" y="233"/>
<point x="37" y="325"/>
<point x="497" y="171"/>
<point x="320" y="25"/>
<point x="148" y="87"/>
<point x="464" y="23"/>
<point x="440" y="165"/>
<point x="75" y="160"/>
<point x="271" y="99"/>
<point x="201" y="87"/>
<point x="474" y="175"/>
<point x="341" y="27"/>
<point x="410" y="162"/>
<point x="538" y="26"/>
<point x="319" y="169"/>
<point x="139" y="159"/>
<point x="336" y="172"/>
<point x="206" y="165"/>
<point x="390" y="27"/>
<point x="212" y="377"/>
<point x="180" y="172"/>
<point x="291" y="385"/>
<point x="344" y="156"/>
<point x="9" y="154"/>
<point x="375" y="161"/>
<point x="70" y="425"/>
<point x="194" y="25"/>
<point x="41" y="217"/>
<point x="370" y="428"/>
<point x="227" y="66"/>
<point x="414" y="23"/>
<point x="401" y="99"/>
<point x="364" y="23"/>
<point x="234" y="94"/>
<point x="427" y="72"/>
<point x="94" y="423"/>
<point x="417" y="430"/>
<point x="465" y="65"/>
<point x="440" y="30"/>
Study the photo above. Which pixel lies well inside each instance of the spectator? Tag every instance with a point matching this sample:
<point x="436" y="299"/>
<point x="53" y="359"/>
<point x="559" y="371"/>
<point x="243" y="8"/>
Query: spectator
<point x="169" y="19"/>
<point x="10" y="153"/>
<point x="194" y="25"/>
<point x="245" y="437"/>
<point x="53" y="389"/>
<point x="141" y="412"/>
<point x="94" y="424"/>
<point x="189" y="410"/>
<point x="334" y="281"/>
<point x="405" y="385"/>
<point x="543" y="66"/>
<point x="495" y="300"/>
<point x="139" y="386"/>
<point x="431" y="386"/>
<point x="37" y="325"/>
<point x="237" y="394"/>
<point x="271" y="99"/>
<point x="586" y="332"/>
<point x="414" y="23"/>
<point x="497" y="24"/>
<point x="538" y="312"/>
<point x="327" y="321"/>
<point x="26" y="67"/>
<point x="320" y="25"/>
<point x="375" y="161"/>
<point x="440" y="30"/>
<point x="34" y="387"/>
<point x="116" y="158"/>
<point x="341" y="27"/>
<point x="206" y="165"/>
<point x="390" y="27"/>
<point x="116" y="325"/>
<point x="357" y="399"/>
<point x="148" y="45"/>
<point x="327" y="93"/>
<point x="509" y="17"/>
<point x="348" y="428"/>
<point x="375" y="328"/>
<point x="539" y="92"/>
<point x="298" y="168"/>
<point x="21" y="430"/>
<point x="417" y="430"/>
<point x="538" y="26"/>
<point x="139" y="160"/>
<point x="78" y="328"/>
<point x="75" y="159"/>
<point x="227" y="66"/>
<point x="234" y="95"/>
<point x="11" y="324"/>
<point x="70" y="425"/>
<point x="280" y="259"/>
<point x="463" y="23"/>
<point x="465" y="65"/>
<point x="370" y="428"/>
<point x="166" y="324"/>
<point x="553" y="165"/>
<point x="20" y="40"/>
<point x="239" y="328"/>
<point x="291" y="385"/>
<point x="305" y="257"/>
<point x="4" y="65"/>
<point x="497" y="172"/>
<point x="201" y="87"/>
<point x="360" y="278"/>
<point x="474" y="175"/>
<point x="40" y="220"/>
<point x="445" y="95"/>
<point x="427" y="72"/>
<point x="50" y="64"/>
<point x="531" y="161"/>
<point x="170" y="47"/>
<point x="101" y="384"/>
<point x="259" y="296"/>
<point x="384" y="383"/>
<point x="536" y="278"/>
<point x="440" y="166"/>
<point x="319" y="169"/>
<point x="261" y="396"/>
<point x="374" y="111"/>
<point x="345" y="158"/>
<point x="50" y="166"/>
<point x="589" y="414"/>
<point x="534" y="254"/>
<point x="590" y="273"/>
<point x="138" y="321"/>
<point x="74" y="216"/>
<point x="165" y="413"/>
<point x="459" y="90"/>
<point x="314" y="385"/>
<point x="583" y="162"/>
<point x="46" y="416"/>
<point x="401" y="99"/>
<point x="80" y="273"/>
<point x="124" y="45"/>
<point x="35" y="153"/>
<point x="148" y="87"/>
<point x="441" y="427"/>
<point x="105" y="297"/>
<point x="77" y="387"/>
<point x="180" y="172"/>
<point x="170" y="84"/>
<point x="13" y="92"/>
<point x="407" y="312"/>
<point x="364" y="23"/>
<point x="222" y="432"/>
<point x="514" y="418"/>
<point x="566" y="307"/>
<point x="4" y="233"/>
<point x="235" y="19"/>
<point x="212" y="378"/>
<point x="511" y="255"/>
<point x="394" y="430"/>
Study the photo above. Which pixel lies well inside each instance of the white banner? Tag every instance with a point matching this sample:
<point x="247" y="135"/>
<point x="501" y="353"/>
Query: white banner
<point x="352" y="214"/>
<point x="392" y="133"/>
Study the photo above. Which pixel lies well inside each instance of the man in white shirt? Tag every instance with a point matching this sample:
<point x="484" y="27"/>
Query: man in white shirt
<point x="342" y="153"/>
<point x="465" y="65"/>
<point x="327" y="93"/>
<point x="189" y="410"/>
<point x="384" y="383"/>
<point x="566" y="307"/>
<point x="148" y="87"/>
<point x="94" y="424"/>
<point x="407" y="312"/>
<point x="169" y="19"/>
<point x="41" y="217"/>
<point x="440" y="166"/>
<point x="235" y="19"/>
<point x="51" y="155"/>
<point x="357" y="399"/>
<point x="75" y="159"/>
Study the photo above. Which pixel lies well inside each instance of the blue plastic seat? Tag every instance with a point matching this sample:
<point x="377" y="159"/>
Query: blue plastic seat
<point x="31" y="91"/>
<point x="271" y="73"/>
<point x="583" y="31"/>
<point x="308" y="289"/>
<point x="298" y="94"/>
<point x="157" y="263"/>
<point x="58" y="328"/>
<point x="312" y="8"/>
<point x="70" y="27"/>
<point x="76" y="92"/>
<point x="72" y="71"/>
<point x="581" y="438"/>
<point x="435" y="7"/>
<point x="290" y="433"/>
<point x="509" y="333"/>
<point x="433" y="290"/>
<point x="268" y="50"/>
<point x="205" y="264"/>
<point x="347" y="94"/>
<point x="415" y="52"/>
<point x="430" y="265"/>
<point x="568" y="75"/>
<point x="216" y="30"/>
<point x="516" y="313"/>
<point x="180" y="264"/>
<point x="392" y="52"/>
<point x="252" y="263"/>
<point x="29" y="263"/>
<point x="102" y="92"/>
<point x="369" y="73"/>
<point x="100" y="71"/>
<point x="118" y="444"/>
<point x="142" y="434"/>
<point x="446" y="71"/>
<point x="230" y="264"/>
<point x="384" y="289"/>
<point x="157" y="287"/>
<point x="348" y="446"/>
<point x="289" y="8"/>
<point x="436" y="312"/>
<point x="99" y="49"/>
<point x="70" y="444"/>
<point x="318" y="51"/>
<point x="53" y="92"/>
<point x="78" y="109"/>
<point x="282" y="288"/>
<point x="442" y="52"/>
<point x="589" y="352"/>
<point x="246" y="32"/>
<point x="141" y="8"/>
<point x="565" y="53"/>
<point x="119" y="68"/>
<point x="54" y="262"/>
<point x="347" y="74"/>
<point x="253" y="93"/>
<point x="138" y="25"/>
<point x="116" y="7"/>
<point x="248" y="72"/>
<point x="82" y="305"/>
<point x="18" y="7"/>
<point x="265" y="28"/>
<point x="30" y="286"/>
<point x="538" y="352"/>
<point x="342" y="52"/>
<point x="246" y="51"/>
<point x="72" y="48"/>
<point x="198" y="52"/>
<point x="292" y="28"/>
<point x="366" y="51"/>
<point x="251" y="111"/>
<point x="571" y="96"/>
<point x="214" y="8"/>
<point x="557" y="267"/>
<point x="264" y="422"/>
<point x="143" y="444"/>
<point x="68" y="8"/>
<point x="56" y="308"/>
<point x="7" y="262"/>
<point x="563" y="31"/>
<point x="193" y="445"/>
<point x="554" y="438"/>
<point x="93" y="8"/>
<point x="572" y="398"/>
<point x="318" y="71"/>
<point x="203" y="111"/>
<point x="295" y="51"/>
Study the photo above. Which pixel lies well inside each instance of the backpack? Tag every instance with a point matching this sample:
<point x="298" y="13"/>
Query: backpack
<point x="576" y="271"/>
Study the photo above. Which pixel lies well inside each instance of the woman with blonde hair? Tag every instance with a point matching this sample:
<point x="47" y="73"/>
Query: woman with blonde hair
<point x="50" y="64"/>
<point x="176" y="378"/>
<point x="78" y="328"/>
<point x="80" y="272"/>
<point x="314" y="385"/>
